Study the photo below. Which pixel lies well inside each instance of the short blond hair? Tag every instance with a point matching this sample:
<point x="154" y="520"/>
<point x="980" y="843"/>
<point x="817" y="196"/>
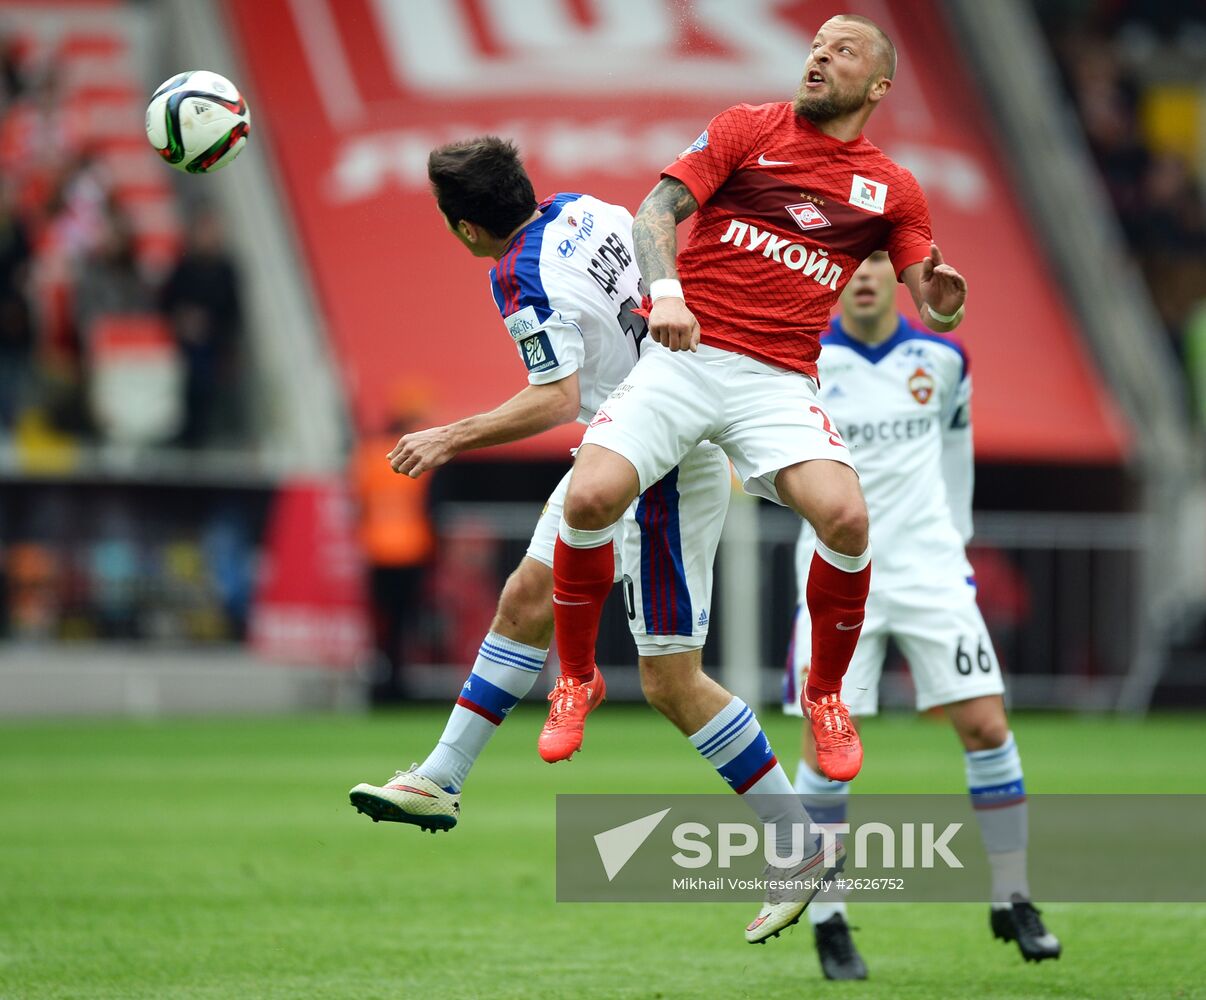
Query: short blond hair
<point x="887" y="51"/>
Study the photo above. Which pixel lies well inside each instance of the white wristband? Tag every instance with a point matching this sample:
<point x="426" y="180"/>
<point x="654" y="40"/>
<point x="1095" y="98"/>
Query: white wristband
<point x="666" y="288"/>
<point x="934" y="314"/>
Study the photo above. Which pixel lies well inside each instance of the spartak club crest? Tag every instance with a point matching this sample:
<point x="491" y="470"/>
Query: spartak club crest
<point x="921" y="385"/>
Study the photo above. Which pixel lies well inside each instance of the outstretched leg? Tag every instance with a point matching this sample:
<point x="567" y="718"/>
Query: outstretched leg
<point x="725" y="731"/>
<point x="510" y="659"/>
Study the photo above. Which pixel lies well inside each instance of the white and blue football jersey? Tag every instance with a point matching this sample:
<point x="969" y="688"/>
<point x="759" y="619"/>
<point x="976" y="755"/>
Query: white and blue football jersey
<point x="903" y="408"/>
<point x="566" y="289"/>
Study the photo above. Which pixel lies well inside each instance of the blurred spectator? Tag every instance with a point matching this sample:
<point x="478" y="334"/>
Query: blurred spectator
<point x="81" y="241"/>
<point x="86" y="233"/>
<point x="108" y="280"/>
<point x="227" y="544"/>
<point x="1133" y="70"/>
<point x="16" y="329"/>
<point x="39" y="135"/>
<point x="33" y="572"/>
<point x="201" y="302"/>
<point x="12" y="75"/>
<point x="398" y="540"/>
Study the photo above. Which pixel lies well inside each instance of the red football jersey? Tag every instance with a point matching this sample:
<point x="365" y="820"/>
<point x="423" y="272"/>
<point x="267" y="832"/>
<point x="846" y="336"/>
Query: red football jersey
<point x="786" y="216"/>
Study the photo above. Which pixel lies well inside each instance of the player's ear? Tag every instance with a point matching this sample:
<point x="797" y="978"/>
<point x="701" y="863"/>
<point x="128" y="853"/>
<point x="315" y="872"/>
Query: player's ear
<point x="879" y="89"/>
<point x="468" y="230"/>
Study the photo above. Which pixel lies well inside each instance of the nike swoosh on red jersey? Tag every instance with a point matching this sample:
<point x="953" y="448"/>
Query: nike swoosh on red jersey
<point x="764" y="162"/>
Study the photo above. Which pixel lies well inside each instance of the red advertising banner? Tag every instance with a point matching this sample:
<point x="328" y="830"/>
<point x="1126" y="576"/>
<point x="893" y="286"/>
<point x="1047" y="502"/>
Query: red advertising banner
<point x="601" y="94"/>
<point x="310" y="603"/>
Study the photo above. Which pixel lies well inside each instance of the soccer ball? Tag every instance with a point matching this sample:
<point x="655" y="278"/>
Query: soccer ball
<point x="198" y="121"/>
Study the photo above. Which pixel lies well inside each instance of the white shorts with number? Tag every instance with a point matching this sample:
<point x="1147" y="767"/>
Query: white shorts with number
<point x="941" y="634"/>
<point x="766" y="418"/>
<point x="665" y="547"/>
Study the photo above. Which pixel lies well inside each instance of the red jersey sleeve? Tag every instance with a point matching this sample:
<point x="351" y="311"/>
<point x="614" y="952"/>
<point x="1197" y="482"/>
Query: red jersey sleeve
<point x="909" y="241"/>
<point x="709" y="160"/>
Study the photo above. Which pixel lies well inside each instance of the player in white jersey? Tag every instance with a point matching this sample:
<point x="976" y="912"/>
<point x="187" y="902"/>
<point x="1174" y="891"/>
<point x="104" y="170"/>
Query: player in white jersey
<point x="901" y="398"/>
<point x="566" y="286"/>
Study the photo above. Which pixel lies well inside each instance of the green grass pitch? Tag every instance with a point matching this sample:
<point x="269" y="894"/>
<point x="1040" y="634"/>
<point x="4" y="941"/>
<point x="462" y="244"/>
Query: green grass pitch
<point x="220" y="859"/>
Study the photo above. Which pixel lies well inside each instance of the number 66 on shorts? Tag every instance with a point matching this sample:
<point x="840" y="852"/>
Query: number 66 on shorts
<point x="941" y="634"/>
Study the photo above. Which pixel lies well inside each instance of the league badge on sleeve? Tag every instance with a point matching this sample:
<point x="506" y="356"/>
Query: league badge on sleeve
<point x="520" y="325"/>
<point x="697" y="145"/>
<point x="538" y="353"/>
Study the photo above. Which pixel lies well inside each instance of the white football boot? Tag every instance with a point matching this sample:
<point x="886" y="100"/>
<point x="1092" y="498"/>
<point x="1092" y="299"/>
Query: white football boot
<point x="408" y="797"/>
<point x="791" y="893"/>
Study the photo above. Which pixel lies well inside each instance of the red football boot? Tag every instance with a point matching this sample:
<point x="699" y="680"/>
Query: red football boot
<point x="839" y="750"/>
<point x="572" y="701"/>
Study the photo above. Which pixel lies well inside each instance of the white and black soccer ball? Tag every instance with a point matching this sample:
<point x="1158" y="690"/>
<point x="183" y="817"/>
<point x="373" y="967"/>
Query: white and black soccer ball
<point x="198" y="121"/>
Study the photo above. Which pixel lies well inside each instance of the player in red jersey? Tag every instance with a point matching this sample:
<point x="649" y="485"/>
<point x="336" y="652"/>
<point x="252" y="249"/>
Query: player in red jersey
<point x="791" y="197"/>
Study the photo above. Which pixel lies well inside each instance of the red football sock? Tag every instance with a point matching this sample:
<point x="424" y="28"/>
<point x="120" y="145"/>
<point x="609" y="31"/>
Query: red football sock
<point x="582" y="579"/>
<point x="836" y="603"/>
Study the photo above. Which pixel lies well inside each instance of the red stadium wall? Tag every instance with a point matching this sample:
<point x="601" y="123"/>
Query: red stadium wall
<point x="600" y="94"/>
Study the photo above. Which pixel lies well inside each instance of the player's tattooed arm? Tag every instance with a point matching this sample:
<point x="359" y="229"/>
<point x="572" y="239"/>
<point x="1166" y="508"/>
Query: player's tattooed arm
<point x="655" y="228"/>
<point x="655" y="239"/>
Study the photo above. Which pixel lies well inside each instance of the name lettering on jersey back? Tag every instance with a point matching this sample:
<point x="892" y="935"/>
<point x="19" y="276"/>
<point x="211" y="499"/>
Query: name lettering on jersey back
<point x="608" y="263"/>
<point x="814" y="263"/>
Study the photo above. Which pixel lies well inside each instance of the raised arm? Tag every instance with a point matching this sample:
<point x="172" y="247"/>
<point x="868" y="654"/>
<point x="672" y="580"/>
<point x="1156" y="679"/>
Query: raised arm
<point x="938" y="290"/>
<point x="655" y="239"/>
<point x="533" y="409"/>
<point x="655" y="228"/>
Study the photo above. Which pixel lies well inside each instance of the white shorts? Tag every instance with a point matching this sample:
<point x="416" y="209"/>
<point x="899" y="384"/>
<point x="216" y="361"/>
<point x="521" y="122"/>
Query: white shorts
<point x="940" y="632"/>
<point x="665" y="547"/>
<point x="766" y="418"/>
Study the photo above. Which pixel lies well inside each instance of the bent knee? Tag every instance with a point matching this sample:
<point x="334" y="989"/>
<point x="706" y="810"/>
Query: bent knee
<point x="985" y="734"/>
<point x="594" y="504"/>
<point x="845" y="527"/>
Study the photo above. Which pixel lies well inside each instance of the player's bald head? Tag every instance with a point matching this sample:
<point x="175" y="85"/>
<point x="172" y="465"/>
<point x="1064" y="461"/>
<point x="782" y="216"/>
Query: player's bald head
<point x="848" y="72"/>
<point x="885" y="50"/>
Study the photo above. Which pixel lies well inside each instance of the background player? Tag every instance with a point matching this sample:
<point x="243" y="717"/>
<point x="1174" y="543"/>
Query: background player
<point x="901" y="398"/>
<point x="791" y="198"/>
